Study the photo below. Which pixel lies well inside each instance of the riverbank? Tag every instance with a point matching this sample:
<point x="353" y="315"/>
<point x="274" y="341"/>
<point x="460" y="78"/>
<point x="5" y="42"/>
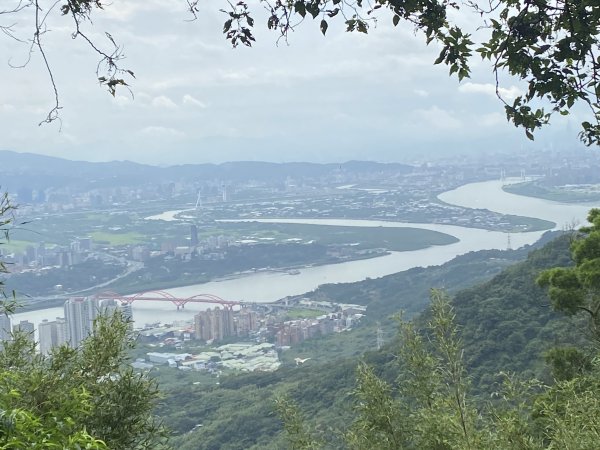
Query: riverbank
<point x="556" y="194"/>
<point x="269" y="287"/>
<point x="289" y="271"/>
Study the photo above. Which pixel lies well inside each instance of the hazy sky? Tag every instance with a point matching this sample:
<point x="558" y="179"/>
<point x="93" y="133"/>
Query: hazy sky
<point x="340" y="97"/>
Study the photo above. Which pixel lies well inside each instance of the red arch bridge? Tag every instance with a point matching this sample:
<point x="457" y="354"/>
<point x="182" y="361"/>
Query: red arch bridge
<point x="162" y="296"/>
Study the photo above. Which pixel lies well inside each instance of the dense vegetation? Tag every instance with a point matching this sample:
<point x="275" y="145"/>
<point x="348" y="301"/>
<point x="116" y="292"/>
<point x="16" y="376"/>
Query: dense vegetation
<point x="507" y="323"/>
<point x="74" y="278"/>
<point x="429" y="405"/>
<point x="77" y="398"/>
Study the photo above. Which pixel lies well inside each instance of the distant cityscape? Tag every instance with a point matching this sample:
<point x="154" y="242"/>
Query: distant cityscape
<point x="178" y="227"/>
<point x="76" y="325"/>
<point x="211" y="326"/>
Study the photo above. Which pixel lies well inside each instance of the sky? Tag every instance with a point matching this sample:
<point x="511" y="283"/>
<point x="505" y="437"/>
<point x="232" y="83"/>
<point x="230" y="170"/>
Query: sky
<point x="195" y="99"/>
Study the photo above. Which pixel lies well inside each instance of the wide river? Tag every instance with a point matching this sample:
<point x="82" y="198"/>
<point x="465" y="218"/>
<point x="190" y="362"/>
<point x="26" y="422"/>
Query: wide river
<point x="271" y="286"/>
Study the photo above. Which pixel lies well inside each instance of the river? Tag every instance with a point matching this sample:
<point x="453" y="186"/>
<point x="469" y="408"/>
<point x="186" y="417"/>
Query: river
<point x="271" y="286"/>
<point x="489" y="195"/>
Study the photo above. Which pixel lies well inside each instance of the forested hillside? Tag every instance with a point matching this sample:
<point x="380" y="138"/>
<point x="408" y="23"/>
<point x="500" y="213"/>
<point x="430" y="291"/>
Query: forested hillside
<point x="505" y="323"/>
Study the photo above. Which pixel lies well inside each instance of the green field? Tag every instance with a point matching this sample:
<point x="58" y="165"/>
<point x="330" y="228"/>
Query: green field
<point x="393" y="239"/>
<point x="300" y="313"/>
<point x="14" y="245"/>
<point x="117" y="238"/>
<point x="534" y="189"/>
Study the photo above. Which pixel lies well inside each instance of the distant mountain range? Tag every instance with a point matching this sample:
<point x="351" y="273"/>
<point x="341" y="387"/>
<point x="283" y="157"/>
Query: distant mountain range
<point x="41" y="172"/>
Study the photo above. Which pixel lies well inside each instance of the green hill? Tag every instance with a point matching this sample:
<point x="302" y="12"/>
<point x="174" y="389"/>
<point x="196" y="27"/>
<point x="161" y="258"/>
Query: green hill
<point x="504" y="322"/>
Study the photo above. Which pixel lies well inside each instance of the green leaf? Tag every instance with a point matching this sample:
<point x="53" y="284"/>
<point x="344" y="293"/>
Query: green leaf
<point x="300" y="8"/>
<point x="323" y="27"/>
<point x="443" y="54"/>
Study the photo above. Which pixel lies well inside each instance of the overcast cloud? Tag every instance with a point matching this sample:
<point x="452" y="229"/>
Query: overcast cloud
<point x="340" y="97"/>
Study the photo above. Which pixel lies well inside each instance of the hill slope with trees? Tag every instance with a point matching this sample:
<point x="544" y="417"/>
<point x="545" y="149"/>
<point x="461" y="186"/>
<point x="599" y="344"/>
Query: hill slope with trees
<point x="505" y="323"/>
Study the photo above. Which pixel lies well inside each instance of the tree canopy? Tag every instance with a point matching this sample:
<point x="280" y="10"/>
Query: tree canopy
<point x="77" y="398"/>
<point x="430" y="404"/>
<point x="552" y="46"/>
<point x="576" y="290"/>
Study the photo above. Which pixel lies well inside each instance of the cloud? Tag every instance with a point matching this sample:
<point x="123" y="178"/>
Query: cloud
<point x="489" y="89"/>
<point x="189" y="100"/>
<point x="492" y="120"/>
<point x="439" y="118"/>
<point x="187" y="68"/>
<point x="162" y="101"/>
<point x="125" y="10"/>
<point x="121" y="100"/>
<point x="162" y="132"/>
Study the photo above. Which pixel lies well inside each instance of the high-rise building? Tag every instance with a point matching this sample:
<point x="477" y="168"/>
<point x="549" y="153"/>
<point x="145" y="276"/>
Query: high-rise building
<point x="5" y="329"/>
<point x="75" y="246"/>
<point x="80" y="313"/>
<point x="62" y="331"/>
<point x="52" y="334"/>
<point x="45" y="336"/>
<point x="109" y="306"/>
<point x="26" y="327"/>
<point x="85" y="244"/>
<point x="193" y="235"/>
<point x="226" y="191"/>
<point x="247" y="321"/>
<point x="127" y="312"/>
<point x="214" y="324"/>
<point x="202" y="325"/>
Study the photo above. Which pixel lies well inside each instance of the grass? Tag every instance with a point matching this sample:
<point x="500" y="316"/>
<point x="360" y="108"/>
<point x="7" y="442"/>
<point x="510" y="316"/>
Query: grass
<point x="394" y="239"/>
<point x="130" y="237"/>
<point x="97" y="217"/>
<point x="533" y="189"/>
<point x="300" y="313"/>
<point x="18" y="246"/>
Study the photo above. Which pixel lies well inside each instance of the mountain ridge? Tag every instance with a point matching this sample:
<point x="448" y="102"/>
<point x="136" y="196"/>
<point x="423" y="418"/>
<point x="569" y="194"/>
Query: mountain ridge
<point x="41" y="171"/>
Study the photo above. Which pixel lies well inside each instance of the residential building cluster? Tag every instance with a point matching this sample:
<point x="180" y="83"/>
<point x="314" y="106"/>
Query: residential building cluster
<point x="216" y="324"/>
<point x="293" y="332"/>
<point x="6" y="330"/>
<point x="76" y="325"/>
<point x="210" y="248"/>
<point x="221" y="324"/>
<point x="38" y="256"/>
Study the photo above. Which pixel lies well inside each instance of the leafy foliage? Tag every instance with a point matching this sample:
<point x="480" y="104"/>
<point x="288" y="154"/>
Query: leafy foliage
<point x="84" y="397"/>
<point x="432" y="408"/>
<point x="507" y="323"/>
<point x="575" y="290"/>
<point x="300" y="437"/>
<point x="7" y="305"/>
